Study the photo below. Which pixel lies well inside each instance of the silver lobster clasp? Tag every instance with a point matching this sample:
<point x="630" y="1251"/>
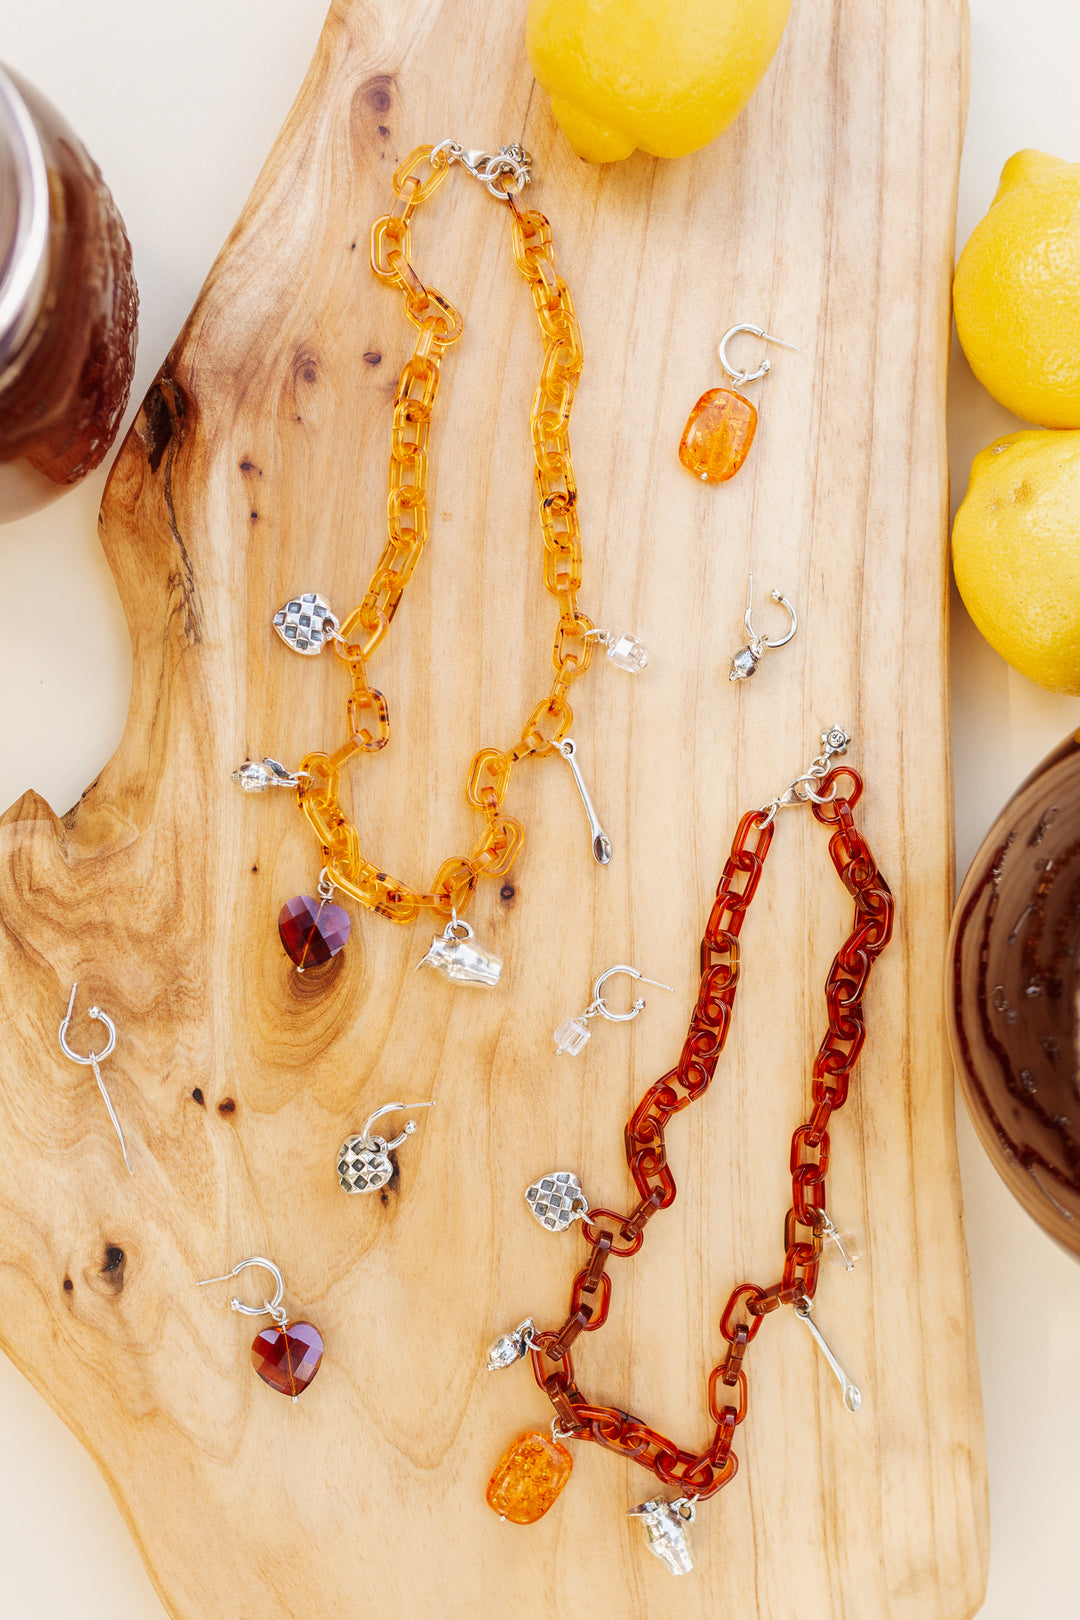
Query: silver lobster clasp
<point x="454" y="954"/>
<point x="493" y="169"/>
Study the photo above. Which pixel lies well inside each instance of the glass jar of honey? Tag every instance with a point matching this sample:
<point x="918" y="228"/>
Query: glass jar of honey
<point x="68" y="305"/>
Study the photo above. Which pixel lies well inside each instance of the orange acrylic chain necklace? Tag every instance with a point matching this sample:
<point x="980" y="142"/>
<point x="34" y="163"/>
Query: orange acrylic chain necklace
<point x="535" y="1469"/>
<point x="313" y="930"/>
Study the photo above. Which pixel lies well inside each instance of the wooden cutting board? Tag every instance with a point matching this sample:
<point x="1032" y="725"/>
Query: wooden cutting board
<point x="256" y="469"/>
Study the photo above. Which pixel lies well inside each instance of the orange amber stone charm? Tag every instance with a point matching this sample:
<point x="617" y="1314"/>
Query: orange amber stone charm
<point x="718" y="435"/>
<point x="529" y="1477"/>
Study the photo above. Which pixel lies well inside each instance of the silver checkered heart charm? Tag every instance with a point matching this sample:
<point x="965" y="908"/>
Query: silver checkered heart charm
<point x="363" y="1162"/>
<point x="557" y="1200"/>
<point x="362" y="1167"/>
<point x="306" y="623"/>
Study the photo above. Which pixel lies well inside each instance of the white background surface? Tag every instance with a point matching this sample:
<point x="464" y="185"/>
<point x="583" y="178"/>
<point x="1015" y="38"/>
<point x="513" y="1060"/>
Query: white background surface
<point x="180" y="105"/>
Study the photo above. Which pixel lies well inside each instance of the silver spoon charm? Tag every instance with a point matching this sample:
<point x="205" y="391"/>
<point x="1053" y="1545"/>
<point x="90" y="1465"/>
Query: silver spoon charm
<point x="601" y="843"/>
<point x="852" y="1394"/>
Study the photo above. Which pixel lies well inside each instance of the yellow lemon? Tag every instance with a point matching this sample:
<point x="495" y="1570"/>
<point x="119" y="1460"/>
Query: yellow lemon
<point x="1017" y="291"/>
<point x="1016" y="554"/>
<point x="668" y="78"/>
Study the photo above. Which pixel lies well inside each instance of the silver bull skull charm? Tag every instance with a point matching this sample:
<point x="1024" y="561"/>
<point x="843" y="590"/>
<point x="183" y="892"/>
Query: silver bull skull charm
<point x="666" y="1524"/>
<point x="454" y="954"/>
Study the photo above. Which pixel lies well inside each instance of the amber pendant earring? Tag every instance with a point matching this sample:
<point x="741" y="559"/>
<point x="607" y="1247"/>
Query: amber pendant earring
<point x="721" y="426"/>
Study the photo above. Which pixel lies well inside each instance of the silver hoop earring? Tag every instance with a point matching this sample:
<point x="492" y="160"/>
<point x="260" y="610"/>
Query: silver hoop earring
<point x="572" y="1033"/>
<point x="747" y="659"/>
<point x="94" y="1059"/>
<point x="364" y="1163"/>
<point x="288" y="1355"/>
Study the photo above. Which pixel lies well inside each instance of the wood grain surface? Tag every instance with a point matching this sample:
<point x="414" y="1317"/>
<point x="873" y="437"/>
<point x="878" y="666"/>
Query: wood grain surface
<point x="257" y="468"/>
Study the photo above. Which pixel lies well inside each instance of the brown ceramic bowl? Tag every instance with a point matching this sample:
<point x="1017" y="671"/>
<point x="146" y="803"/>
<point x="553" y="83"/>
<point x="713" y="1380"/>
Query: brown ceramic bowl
<point x="1012" y="993"/>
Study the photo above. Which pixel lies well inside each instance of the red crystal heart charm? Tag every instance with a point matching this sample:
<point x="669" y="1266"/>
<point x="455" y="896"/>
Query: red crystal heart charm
<point x="312" y="930"/>
<point x="288" y="1357"/>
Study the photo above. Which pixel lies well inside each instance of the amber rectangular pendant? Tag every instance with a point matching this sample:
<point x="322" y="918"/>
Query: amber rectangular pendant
<point x="529" y="1477"/>
<point x="718" y="435"/>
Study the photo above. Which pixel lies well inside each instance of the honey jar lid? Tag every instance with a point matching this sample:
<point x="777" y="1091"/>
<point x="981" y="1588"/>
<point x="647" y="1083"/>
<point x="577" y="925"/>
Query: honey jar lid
<point x="24" y="221"/>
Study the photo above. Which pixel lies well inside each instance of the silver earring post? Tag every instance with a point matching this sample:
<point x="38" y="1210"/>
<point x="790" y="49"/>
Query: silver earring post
<point x="94" y="1059"/>
<point x="747" y="659"/>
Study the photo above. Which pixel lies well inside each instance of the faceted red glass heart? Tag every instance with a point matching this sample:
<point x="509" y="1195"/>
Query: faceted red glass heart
<point x="312" y="931"/>
<point x="287" y="1358"/>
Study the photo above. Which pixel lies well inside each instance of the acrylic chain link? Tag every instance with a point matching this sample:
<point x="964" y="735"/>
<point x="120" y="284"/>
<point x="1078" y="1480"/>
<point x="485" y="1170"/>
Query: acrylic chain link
<point x="611" y="1235"/>
<point x="439" y="325"/>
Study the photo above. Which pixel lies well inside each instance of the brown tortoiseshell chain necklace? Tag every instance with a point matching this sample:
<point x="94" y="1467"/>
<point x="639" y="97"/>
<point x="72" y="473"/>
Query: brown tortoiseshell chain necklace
<point x="533" y="1472"/>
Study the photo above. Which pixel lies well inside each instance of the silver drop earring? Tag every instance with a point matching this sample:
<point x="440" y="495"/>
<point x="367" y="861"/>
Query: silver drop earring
<point x="572" y="1033"/>
<point x="94" y="1059"/>
<point x="747" y="659"/>
<point x="287" y="1355"/>
<point x="363" y="1162"/>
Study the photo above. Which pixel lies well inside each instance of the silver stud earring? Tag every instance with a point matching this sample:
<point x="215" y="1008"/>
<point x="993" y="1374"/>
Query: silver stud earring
<point x="364" y="1163"/>
<point x="572" y="1033"/>
<point x="747" y="659"/>
<point x="94" y="1059"/>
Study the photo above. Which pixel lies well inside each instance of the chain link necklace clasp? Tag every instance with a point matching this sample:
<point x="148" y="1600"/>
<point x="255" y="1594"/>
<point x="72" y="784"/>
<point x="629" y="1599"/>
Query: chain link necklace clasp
<point x="490" y="168"/>
<point x="802" y="790"/>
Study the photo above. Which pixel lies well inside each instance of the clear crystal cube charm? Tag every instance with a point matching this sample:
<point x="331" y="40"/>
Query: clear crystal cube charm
<point x="571" y="1036"/>
<point x="841" y="1249"/>
<point x="306" y="623"/>
<point x="557" y="1200"/>
<point x="627" y="652"/>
